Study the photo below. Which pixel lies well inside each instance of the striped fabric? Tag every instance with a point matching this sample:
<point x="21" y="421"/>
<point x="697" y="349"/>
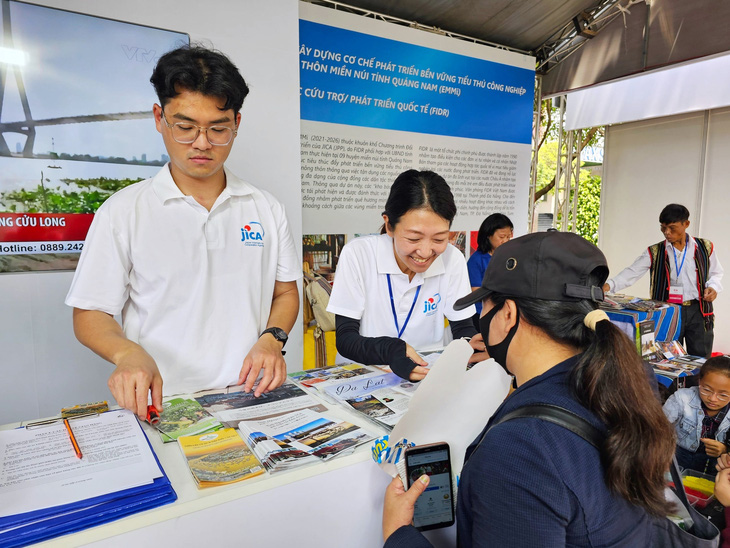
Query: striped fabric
<point x="659" y="275"/>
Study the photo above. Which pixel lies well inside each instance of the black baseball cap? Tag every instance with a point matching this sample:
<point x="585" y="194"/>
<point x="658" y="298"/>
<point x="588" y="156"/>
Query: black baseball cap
<point x="553" y="266"/>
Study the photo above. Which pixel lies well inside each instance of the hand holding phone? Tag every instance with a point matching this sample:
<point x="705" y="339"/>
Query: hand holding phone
<point x="435" y="507"/>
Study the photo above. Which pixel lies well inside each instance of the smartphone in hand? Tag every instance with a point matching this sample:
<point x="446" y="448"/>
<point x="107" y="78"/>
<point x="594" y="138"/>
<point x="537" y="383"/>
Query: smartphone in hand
<point x="435" y="507"/>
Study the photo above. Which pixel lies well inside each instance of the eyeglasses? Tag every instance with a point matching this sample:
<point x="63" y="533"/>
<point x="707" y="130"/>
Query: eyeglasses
<point x="186" y="133"/>
<point x="722" y="396"/>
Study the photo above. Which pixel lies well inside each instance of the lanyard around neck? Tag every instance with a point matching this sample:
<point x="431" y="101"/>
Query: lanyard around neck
<point x="674" y="250"/>
<point x="392" y="307"/>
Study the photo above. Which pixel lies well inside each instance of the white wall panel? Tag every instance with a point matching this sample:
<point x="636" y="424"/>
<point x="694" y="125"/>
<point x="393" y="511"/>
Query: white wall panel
<point x="649" y="164"/>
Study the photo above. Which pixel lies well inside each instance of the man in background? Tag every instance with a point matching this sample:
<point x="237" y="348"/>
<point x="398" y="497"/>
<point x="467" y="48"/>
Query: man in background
<point x="200" y="264"/>
<point x="684" y="271"/>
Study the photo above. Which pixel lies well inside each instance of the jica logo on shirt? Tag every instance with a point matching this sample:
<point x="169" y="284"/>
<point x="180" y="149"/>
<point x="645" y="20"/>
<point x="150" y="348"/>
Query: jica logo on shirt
<point x="431" y="304"/>
<point x="252" y="234"/>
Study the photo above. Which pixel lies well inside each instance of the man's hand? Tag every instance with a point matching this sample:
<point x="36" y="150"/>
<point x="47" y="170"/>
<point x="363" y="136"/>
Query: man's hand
<point x="709" y="294"/>
<point x="265" y="354"/>
<point x="606" y="288"/>
<point x="713" y="448"/>
<point x="399" y="503"/>
<point x="419" y="372"/>
<point x="135" y="376"/>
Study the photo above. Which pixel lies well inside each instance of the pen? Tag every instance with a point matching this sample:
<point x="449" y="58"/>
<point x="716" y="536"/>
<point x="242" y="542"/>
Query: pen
<point x="77" y="449"/>
<point x="153" y="417"/>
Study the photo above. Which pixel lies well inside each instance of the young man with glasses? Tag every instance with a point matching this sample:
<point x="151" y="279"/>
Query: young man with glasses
<point x="700" y="417"/>
<point x="200" y="264"/>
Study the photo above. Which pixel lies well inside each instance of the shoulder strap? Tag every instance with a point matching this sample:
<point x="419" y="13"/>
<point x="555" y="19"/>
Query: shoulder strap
<point x="560" y="416"/>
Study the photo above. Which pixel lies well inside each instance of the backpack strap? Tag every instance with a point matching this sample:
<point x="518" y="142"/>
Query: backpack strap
<point x="560" y="416"/>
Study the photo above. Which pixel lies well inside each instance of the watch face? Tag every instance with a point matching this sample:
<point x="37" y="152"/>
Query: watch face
<point x="278" y="333"/>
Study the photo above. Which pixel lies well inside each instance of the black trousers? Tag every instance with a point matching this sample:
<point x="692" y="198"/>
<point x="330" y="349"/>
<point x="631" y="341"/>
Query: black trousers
<point x="692" y="335"/>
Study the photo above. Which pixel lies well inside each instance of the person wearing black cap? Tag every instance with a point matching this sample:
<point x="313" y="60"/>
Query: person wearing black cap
<point x="530" y="482"/>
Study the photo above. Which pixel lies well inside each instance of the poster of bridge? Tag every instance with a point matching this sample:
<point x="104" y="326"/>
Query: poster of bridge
<point x="75" y="126"/>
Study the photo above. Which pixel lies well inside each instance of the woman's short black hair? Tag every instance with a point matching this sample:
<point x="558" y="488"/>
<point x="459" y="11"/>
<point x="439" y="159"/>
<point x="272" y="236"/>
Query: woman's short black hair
<point x="199" y="69"/>
<point x="415" y="189"/>
<point x="489" y="226"/>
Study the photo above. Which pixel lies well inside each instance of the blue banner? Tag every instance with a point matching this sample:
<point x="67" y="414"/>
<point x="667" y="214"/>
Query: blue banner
<point x="358" y="79"/>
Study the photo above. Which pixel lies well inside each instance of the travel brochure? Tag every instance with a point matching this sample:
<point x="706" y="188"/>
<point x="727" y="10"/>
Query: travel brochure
<point x="233" y="405"/>
<point x="286" y="427"/>
<point x="184" y="417"/>
<point x="300" y="438"/>
<point x="218" y="458"/>
<point x="673" y="361"/>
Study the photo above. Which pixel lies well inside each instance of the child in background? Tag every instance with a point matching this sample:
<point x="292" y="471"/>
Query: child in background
<point x="700" y="416"/>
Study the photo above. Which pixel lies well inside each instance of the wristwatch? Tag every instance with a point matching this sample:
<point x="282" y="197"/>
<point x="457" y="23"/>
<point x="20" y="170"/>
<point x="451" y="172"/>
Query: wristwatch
<point x="278" y="333"/>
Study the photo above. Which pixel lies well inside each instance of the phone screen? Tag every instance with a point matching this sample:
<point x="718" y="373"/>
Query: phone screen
<point x="434" y="508"/>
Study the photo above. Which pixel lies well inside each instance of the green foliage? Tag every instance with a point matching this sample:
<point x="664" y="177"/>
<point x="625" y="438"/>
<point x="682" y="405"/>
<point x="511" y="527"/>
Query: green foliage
<point x="90" y="195"/>
<point x="589" y="204"/>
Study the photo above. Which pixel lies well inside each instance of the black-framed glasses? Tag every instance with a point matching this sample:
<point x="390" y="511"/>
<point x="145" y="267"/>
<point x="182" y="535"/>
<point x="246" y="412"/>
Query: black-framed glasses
<point x="186" y="133"/>
<point x="721" y="396"/>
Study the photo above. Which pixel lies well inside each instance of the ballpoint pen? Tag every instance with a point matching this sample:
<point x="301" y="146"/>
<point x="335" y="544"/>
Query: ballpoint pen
<point x="75" y="444"/>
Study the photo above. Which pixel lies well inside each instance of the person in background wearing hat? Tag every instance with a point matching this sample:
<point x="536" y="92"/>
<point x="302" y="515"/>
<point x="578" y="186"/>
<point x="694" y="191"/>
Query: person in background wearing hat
<point x="529" y="482"/>
<point x="693" y="285"/>
<point x="392" y="291"/>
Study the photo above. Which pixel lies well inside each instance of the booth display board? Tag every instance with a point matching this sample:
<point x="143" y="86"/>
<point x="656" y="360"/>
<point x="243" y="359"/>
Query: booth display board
<point x="379" y="98"/>
<point x="75" y="126"/>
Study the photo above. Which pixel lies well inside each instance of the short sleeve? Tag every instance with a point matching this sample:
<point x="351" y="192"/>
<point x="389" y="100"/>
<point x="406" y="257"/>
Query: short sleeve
<point x="476" y="271"/>
<point x="288" y="266"/>
<point x="348" y="289"/>
<point x="101" y="281"/>
<point x="458" y="285"/>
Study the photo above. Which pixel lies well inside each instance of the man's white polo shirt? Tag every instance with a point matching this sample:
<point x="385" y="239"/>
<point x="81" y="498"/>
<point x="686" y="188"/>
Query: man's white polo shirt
<point x="361" y="292"/>
<point x="194" y="287"/>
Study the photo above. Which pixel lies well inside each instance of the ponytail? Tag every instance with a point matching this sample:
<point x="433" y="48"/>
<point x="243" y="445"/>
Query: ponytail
<point x="610" y="380"/>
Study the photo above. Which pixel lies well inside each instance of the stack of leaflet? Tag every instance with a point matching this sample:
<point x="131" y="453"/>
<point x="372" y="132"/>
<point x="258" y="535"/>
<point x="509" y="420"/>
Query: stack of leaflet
<point x="301" y="437"/>
<point x="184" y="417"/>
<point x="317" y="380"/>
<point x="383" y="398"/>
<point x="47" y="491"/>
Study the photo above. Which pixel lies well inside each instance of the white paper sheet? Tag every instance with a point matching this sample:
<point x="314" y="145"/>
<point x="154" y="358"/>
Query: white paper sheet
<point x="39" y="468"/>
<point x="452" y="404"/>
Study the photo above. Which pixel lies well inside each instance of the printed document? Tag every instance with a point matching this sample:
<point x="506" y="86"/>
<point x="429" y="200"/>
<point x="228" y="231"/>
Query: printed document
<point x="39" y="468"/>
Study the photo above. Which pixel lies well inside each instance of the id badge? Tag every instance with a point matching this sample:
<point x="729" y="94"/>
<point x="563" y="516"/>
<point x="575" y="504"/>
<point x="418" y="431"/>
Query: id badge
<point x="675" y="294"/>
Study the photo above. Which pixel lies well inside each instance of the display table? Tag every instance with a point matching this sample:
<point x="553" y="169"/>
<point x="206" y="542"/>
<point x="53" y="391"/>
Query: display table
<point x="667" y="321"/>
<point x="330" y="504"/>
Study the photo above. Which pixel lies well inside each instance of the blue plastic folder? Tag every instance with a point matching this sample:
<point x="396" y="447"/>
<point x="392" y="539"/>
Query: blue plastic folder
<point x="39" y="525"/>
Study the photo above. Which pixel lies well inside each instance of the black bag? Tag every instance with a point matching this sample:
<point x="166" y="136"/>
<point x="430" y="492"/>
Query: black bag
<point x="667" y="534"/>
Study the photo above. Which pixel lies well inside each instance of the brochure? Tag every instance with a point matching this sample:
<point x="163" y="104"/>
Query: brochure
<point x="184" y="417"/>
<point x="234" y="405"/>
<point x="300" y="438"/>
<point x="218" y="458"/>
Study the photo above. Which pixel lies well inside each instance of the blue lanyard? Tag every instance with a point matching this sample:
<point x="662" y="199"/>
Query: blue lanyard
<point x="392" y="307"/>
<point x="679" y="268"/>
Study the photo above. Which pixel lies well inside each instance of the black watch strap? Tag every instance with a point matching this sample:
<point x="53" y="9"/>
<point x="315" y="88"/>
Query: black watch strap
<point x="278" y="333"/>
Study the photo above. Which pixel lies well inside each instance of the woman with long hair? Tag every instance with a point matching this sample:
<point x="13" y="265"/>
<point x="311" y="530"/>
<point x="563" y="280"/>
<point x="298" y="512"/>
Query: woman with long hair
<point x="530" y="482"/>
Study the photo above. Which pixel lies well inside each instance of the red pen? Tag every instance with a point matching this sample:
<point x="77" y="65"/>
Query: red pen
<point x="153" y="417"/>
<point x="75" y="444"/>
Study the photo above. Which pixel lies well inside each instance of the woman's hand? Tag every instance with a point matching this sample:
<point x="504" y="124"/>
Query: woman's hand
<point x="419" y="372"/>
<point x="480" y="349"/>
<point x="399" y="503"/>
<point x="722" y="487"/>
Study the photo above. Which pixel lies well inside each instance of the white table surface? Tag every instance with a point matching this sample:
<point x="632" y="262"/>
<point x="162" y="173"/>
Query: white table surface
<point x="330" y="504"/>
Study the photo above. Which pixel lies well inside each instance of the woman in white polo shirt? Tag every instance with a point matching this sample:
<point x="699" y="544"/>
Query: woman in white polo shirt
<point x="392" y="291"/>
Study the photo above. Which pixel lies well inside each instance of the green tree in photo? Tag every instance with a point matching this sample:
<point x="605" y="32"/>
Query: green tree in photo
<point x="87" y="196"/>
